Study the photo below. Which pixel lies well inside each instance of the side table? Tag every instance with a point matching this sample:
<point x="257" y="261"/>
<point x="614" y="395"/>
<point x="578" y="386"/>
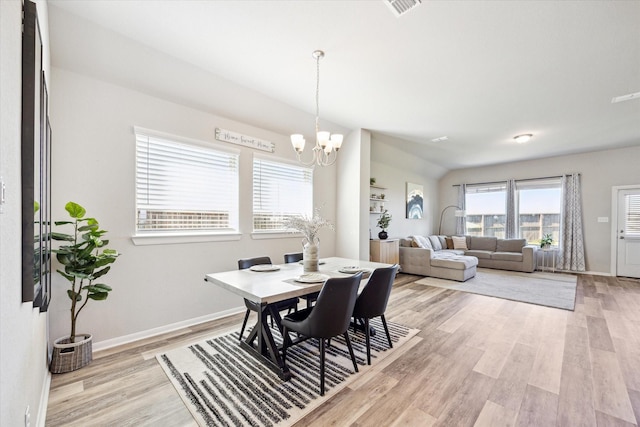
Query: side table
<point x="387" y="251"/>
<point x="547" y="259"/>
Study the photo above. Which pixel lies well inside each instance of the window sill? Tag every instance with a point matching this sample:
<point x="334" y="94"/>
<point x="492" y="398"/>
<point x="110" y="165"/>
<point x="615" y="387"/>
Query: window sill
<point x="256" y="235"/>
<point x="175" y="238"/>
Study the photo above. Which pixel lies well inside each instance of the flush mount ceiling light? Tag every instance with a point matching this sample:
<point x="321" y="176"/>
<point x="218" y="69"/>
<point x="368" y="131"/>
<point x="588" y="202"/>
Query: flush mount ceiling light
<point x="326" y="144"/>
<point x="440" y="139"/>
<point x="521" y="139"/>
<point x="627" y="97"/>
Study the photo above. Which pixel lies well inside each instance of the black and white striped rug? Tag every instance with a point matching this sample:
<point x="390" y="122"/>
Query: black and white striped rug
<point x="222" y="385"/>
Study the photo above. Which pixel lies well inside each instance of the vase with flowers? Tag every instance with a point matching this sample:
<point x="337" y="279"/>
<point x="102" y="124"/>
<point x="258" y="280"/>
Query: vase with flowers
<point x="309" y="227"/>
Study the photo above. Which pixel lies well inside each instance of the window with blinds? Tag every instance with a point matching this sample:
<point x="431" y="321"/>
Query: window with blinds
<point x="632" y="217"/>
<point x="280" y="191"/>
<point x="184" y="186"/>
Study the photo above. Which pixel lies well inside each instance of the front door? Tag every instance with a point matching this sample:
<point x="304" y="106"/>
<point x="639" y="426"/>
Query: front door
<point x="628" y="233"/>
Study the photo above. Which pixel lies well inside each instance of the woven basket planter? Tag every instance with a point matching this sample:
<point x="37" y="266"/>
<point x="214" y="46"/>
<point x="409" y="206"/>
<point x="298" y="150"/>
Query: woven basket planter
<point x="68" y="356"/>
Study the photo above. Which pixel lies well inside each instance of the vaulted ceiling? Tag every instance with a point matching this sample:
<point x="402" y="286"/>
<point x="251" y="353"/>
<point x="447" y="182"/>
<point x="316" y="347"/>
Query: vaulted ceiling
<point x="477" y="72"/>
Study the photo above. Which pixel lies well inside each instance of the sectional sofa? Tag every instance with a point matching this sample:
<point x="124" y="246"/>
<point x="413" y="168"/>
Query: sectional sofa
<point x="457" y="257"/>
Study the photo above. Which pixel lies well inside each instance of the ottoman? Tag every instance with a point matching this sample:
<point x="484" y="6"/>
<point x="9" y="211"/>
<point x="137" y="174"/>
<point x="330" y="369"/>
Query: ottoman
<point x="454" y="267"/>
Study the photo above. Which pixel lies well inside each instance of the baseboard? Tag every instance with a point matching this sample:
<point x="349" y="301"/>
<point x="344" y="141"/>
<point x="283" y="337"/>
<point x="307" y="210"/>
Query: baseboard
<point x="125" y="339"/>
<point x="44" y="400"/>
<point x="593" y="273"/>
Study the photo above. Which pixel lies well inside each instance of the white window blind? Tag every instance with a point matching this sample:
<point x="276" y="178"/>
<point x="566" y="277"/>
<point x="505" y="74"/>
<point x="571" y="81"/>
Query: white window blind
<point x="632" y="220"/>
<point x="182" y="186"/>
<point x="280" y="190"/>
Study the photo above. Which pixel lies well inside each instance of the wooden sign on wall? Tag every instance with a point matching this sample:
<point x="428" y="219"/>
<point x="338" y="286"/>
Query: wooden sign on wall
<point x="247" y="141"/>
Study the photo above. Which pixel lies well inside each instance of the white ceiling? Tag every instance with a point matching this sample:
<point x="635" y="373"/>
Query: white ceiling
<point x="479" y="72"/>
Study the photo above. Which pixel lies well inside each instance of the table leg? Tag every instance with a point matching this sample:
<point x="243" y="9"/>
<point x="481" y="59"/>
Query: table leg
<point x="266" y="349"/>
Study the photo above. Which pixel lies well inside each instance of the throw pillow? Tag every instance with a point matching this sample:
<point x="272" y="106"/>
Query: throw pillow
<point x="435" y="243"/>
<point x="449" y="241"/>
<point x="422" y="242"/>
<point x="459" y="242"/>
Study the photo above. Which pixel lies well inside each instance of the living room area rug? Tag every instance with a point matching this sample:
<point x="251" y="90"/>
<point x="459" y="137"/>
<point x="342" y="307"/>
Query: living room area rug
<point x="549" y="289"/>
<point x="222" y="385"/>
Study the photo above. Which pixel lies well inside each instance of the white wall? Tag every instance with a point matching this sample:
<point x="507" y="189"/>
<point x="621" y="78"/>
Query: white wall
<point x="353" y="173"/>
<point x="600" y="171"/>
<point x="393" y="168"/>
<point x="24" y="376"/>
<point x="93" y="164"/>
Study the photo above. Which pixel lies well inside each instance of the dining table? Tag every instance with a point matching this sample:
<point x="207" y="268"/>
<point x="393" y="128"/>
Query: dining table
<point x="266" y="284"/>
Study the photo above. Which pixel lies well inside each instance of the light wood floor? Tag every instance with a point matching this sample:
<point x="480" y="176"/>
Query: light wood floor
<point x="477" y="361"/>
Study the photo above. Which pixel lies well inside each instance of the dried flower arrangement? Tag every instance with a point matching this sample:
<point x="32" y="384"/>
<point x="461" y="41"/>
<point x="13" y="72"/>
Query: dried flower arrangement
<point x="309" y="227"/>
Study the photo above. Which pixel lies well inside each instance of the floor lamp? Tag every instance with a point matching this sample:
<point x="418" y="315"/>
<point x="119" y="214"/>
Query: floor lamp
<point x="459" y="214"/>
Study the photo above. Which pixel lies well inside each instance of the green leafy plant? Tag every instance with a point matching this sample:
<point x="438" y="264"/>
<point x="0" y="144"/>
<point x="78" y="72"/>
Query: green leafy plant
<point x="384" y="220"/>
<point x="546" y="240"/>
<point x="85" y="259"/>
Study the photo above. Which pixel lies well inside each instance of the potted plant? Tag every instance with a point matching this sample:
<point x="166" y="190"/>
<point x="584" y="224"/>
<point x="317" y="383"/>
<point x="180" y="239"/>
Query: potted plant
<point x="383" y="222"/>
<point x="85" y="259"/>
<point x="546" y="241"/>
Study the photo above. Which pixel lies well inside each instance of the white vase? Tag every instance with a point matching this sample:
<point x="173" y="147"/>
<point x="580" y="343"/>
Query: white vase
<point x="310" y="255"/>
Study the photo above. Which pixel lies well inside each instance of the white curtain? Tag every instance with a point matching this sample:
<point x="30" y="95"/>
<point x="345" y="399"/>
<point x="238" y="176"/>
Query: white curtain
<point x="572" y="244"/>
<point x="510" y="226"/>
<point x="461" y="221"/>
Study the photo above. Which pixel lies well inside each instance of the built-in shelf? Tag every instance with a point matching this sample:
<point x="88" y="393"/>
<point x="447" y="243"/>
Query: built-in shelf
<point x="376" y="203"/>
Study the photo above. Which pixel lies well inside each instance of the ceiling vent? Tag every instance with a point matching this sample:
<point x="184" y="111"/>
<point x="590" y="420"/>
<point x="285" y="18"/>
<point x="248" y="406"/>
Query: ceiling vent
<point x="400" y="7"/>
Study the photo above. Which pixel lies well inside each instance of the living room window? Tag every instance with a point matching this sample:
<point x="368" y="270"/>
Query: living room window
<point x="184" y="186"/>
<point x="280" y="191"/>
<point x="485" y="206"/>
<point x="539" y="207"/>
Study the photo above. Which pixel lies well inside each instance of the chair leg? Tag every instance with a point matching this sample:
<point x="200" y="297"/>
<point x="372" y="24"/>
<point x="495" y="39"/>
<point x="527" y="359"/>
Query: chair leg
<point x="367" y="339"/>
<point x="244" y="324"/>
<point x="353" y="356"/>
<point x="321" y="366"/>
<point x="386" y="329"/>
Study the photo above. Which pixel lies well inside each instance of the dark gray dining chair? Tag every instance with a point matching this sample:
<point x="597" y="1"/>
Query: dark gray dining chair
<point x="328" y="318"/>
<point x="372" y="302"/>
<point x="288" y="304"/>
<point x="296" y="257"/>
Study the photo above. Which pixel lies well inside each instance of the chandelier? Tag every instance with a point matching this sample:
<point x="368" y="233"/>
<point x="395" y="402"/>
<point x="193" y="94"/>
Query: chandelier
<point x="325" y="152"/>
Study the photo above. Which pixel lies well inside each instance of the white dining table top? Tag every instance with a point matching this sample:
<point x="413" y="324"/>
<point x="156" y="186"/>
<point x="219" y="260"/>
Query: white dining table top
<point x="272" y="286"/>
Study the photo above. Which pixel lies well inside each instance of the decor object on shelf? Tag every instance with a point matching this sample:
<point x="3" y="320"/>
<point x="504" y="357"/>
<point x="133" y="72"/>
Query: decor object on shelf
<point x="415" y="195"/>
<point x="372" y="181"/>
<point x="309" y="227"/>
<point x="546" y="241"/>
<point x="326" y="144"/>
<point x="383" y="222"/>
<point x="459" y="213"/>
<point x="85" y="259"/>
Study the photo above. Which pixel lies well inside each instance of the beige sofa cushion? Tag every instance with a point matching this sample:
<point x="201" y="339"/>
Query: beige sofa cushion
<point x="479" y="254"/>
<point x="510" y="245"/>
<point x="482" y="243"/>
<point x="507" y="256"/>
